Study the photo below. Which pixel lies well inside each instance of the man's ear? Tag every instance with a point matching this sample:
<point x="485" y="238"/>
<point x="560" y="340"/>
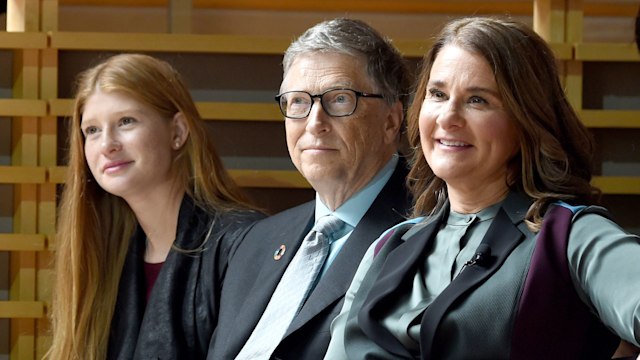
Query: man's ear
<point x="180" y="131"/>
<point x="393" y="123"/>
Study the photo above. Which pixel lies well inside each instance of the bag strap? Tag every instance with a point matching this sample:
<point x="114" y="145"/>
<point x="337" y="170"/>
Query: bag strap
<point x="569" y="329"/>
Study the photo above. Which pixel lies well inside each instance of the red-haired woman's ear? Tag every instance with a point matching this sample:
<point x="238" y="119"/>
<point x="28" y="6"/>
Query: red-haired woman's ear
<point x="180" y="130"/>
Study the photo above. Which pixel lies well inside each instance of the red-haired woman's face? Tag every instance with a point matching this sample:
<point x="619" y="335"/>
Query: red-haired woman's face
<point x="129" y="147"/>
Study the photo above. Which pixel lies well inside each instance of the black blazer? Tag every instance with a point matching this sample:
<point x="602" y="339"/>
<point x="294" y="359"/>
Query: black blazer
<point x="181" y="315"/>
<point x="474" y="317"/>
<point x="253" y="275"/>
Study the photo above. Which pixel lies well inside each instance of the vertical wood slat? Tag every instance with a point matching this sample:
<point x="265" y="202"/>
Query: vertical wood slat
<point x="574" y="73"/>
<point x="23" y="264"/>
<point x="24" y="153"/>
<point x="549" y="22"/>
<point x="549" y="19"/>
<point x="24" y="16"/>
<point x="49" y="13"/>
<point x="575" y="21"/>
<point x="47" y="158"/>
<point x="180" y="16"/>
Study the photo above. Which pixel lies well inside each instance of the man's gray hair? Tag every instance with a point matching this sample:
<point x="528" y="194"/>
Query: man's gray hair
<point x="385" y="65"/>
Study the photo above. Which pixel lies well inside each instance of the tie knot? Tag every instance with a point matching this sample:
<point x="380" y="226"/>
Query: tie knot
<point x="330" y="226"/>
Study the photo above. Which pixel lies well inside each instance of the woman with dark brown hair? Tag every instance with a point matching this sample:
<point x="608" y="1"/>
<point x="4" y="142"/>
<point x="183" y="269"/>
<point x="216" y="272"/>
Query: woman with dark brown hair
<point x="508" y="257"/>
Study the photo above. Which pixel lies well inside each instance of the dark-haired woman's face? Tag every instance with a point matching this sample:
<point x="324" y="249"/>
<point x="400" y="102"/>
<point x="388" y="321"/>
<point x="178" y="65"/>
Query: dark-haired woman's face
<point x="466" y="134"/>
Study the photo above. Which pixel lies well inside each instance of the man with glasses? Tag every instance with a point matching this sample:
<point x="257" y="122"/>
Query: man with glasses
<point x="342" y="100"/>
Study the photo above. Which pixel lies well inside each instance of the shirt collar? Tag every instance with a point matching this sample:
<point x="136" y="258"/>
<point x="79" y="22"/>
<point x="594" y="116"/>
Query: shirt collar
<point x="357" y="205"/>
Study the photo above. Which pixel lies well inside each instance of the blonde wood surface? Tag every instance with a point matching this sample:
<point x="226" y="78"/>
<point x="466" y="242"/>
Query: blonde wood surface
<point x="270" y="179"/>
<point x="238" y="44"/>
<point x="22" y="242"/>
<point x="606" y="52"/>
<point x="20" y="40"/>
<point x="413" y="47"/>
<point x="397" y="6"/>
<point x="440" y="6"/>
<point x="22" y="107"/>
<point x="180" y="15"/>
<point x="26" y="71"/>
<point x="522" y="7"/>
<point x="549" y="19"/>
<point x="611" y="118"/>
<point x="208" y="110"/>
<point x="57" y="174"/>
<point x="205" y="43"/>
<point x="48" y="141"/>
<point x="618" y="185"/>
<point x="50" y="15"/>
<point x="574" y="79"/>
<point x="22" y="175"/>
<point x="239" y="111"/>
<point x="48" y="148"/>
<point x="23" y="280"/>
<point x="228" y="44"/>
<point x="21" y="309"/>
<point x="611" y="8"/>
<point x="574" y="83"/>
<point x="49" y="73"/>
<point x="60" y="107"/>
<point x="562" y="51"/>
<point x="24" y="16"/>
<point x="575" y="21"/>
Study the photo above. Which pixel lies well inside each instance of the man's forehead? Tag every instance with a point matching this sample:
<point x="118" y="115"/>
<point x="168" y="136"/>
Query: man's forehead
<point x="318" y="72"/>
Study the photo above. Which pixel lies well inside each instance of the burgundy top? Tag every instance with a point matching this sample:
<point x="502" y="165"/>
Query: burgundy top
<point x="151" y="272"/>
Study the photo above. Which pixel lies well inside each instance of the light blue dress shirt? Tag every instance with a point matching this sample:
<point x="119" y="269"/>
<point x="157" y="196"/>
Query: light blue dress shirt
<point x="352" y="211"/>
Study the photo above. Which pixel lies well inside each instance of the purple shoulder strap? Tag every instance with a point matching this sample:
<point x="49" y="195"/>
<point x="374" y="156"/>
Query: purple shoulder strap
<point x="552" y="322"/>
<point x="383" y="241"/>
<point x="398" y="231"/>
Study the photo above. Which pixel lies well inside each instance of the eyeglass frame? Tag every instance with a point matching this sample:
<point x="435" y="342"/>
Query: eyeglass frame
<point x="359" y="94"/>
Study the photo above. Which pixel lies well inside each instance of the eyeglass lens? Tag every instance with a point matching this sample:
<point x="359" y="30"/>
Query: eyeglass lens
<point x="337" y="102"/>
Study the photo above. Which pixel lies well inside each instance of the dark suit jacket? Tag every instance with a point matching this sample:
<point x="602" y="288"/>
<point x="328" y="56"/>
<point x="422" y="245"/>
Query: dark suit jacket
<point x="253" y="275"/>
<point x="181" y="315"/>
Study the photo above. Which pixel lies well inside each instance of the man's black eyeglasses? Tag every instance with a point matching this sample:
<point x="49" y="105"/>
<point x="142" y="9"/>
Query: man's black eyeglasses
<point x="335" y="102"/>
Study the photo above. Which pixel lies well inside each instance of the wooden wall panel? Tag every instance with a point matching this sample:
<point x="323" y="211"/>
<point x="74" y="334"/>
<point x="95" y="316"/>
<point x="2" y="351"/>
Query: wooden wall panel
<point x="186" y="33"/>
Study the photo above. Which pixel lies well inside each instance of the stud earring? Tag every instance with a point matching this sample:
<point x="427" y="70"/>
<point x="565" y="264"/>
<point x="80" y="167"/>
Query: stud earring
<point x="177" y="145"/>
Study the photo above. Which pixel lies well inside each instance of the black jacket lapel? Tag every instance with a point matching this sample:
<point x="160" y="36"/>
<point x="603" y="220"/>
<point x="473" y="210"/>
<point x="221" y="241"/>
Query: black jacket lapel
<point x="400" y="263"/>
<point x="141" y="330"/>
<point x="174" y="296"/>
<point x="258" y="296"/>
<point x="130" y="304"/>
<point x="502" y="237"/>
